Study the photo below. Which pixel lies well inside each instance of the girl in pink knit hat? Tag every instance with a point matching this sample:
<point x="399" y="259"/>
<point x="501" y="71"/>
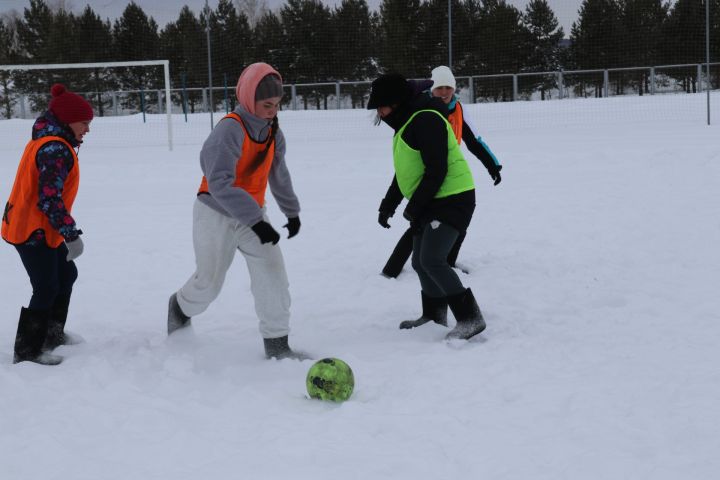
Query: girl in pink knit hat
<point x="244" y="154"/>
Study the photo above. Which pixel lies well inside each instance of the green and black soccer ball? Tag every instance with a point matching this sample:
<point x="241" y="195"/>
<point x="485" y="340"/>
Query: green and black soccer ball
<point x="330" y="379"/>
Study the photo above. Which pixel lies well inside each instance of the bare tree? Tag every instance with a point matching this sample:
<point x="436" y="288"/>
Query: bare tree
<point x="253" y="10"/>
<point x="60" y="5"/>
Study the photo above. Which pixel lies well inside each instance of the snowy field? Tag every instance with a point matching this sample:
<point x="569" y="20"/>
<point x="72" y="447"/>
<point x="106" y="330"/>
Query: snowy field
<point x="595" y="261"/>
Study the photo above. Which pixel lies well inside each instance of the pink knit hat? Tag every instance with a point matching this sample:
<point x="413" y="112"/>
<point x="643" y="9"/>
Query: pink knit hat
<point x="248" y="83"/>
<point x="69" y="107"/>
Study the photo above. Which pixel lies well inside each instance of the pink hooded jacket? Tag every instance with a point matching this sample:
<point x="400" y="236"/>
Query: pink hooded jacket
<point x="248" y="82"/>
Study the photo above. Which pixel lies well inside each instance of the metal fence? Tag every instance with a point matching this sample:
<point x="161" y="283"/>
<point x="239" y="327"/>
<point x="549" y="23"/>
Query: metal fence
<point x="524" y="86"/>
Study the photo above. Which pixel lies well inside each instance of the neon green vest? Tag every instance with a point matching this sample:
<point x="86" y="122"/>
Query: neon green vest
<point x="409" y="167"/>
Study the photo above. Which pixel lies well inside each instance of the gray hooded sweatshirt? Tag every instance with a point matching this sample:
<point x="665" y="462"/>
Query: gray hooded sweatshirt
<point x="218" y="159"/>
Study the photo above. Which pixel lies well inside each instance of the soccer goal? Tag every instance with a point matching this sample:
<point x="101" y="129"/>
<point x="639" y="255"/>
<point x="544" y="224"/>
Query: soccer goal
<point x="132" y="100"/>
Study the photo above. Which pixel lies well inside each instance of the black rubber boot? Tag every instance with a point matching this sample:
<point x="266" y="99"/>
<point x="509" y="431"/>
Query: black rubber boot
<point x="469" y="318"/>
<point x="176" y="318"/>
<point x="278" y="348"/>
<point x="399" y="256"/>
<point x="56" y="334"/>
<point x="30" y="337"/>
<point x="433" y="310"/>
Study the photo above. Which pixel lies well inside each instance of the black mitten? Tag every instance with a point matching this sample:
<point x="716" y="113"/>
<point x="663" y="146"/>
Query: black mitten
<point x="266" y="232"/>
<point x="293" y="226"/>
<point x="495" y="174"/>
<point x="383" y="218"/>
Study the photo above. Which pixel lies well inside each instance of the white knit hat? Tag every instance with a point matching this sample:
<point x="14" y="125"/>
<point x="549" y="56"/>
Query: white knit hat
<point x="442" y="77"/>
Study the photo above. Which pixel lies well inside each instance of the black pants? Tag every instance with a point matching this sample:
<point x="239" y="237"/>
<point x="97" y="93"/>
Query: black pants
<point x="431" y="246"/>
<point x="51" y="275"/>
<point x="403" y="250"/>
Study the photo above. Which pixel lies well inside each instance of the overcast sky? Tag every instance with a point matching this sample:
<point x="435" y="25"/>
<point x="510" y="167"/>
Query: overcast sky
<point x="165" y="11"/>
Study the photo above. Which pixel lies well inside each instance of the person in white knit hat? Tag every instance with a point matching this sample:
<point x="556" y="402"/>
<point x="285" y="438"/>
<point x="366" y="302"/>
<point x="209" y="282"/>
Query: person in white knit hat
<point x="444" y="87"/>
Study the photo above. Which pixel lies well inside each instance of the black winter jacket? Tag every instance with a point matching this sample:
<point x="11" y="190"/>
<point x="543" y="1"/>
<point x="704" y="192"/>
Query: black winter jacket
<point x="427" y="133"/>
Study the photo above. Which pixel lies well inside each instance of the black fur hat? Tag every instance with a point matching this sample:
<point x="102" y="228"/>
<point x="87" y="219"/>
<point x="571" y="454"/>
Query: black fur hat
<point x="387" y="90"/>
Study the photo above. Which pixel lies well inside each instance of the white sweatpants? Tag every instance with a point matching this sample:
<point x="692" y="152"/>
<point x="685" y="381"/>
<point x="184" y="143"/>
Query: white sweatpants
<point x="215" y="239"/>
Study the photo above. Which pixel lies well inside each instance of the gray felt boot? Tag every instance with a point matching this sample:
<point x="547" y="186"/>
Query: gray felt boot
<point x="433" y="310"/>
<point x="470" y="321"/>
<point x="176" y="318"/>
<point x="278" y="348"/>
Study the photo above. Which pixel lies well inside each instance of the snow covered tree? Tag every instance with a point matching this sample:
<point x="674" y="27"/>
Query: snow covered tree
<point x="310" y="42"/>
<point x="45" y="36"/>
<point x="269" y="40"/>
<point x="543" y="44"/>
<point x="353" y="59"/>
<point x="91" y="30"/>
<point x="639" y="37"/>
<point x="400" y="38"/>
<point x="136" y="38"/>
<point x="231" y="40"/>
<point x="499" y="45"/>
<point x="8" y="55"/>
<point x="183" y="43"/>
<point x="595" y="35"/>
<point x="595" y="42"/>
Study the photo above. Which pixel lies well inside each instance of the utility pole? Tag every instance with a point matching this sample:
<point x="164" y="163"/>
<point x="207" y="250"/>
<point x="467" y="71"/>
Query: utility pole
<point x="450" y="34"/>
<point x="708" y="83"/>
<point x="209" y="57"/>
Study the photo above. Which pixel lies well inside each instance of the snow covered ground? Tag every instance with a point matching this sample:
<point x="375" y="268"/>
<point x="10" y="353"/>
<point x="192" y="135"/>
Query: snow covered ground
<point x="595" y="261"/>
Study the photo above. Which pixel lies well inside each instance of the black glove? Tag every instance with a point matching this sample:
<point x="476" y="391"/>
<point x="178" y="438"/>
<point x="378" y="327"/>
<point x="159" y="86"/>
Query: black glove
<point x="495" y="174"/>
<point x="293" y="226"/>
<point x="266" y="232"/>
<point x="383" y="218"/>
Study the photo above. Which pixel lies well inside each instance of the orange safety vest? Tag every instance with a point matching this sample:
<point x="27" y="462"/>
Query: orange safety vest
<point x="253" y="182"/>
<point x="456" y="120"/>
<point x="22" y="215"/>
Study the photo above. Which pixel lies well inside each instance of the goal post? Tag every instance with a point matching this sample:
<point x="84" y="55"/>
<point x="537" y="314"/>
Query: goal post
<point x="144" y="63"/>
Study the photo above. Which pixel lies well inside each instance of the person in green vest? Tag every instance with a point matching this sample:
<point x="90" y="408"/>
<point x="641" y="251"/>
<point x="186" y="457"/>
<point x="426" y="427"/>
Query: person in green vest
<point x="443" y="86"/>
<point x="432" y="174"/>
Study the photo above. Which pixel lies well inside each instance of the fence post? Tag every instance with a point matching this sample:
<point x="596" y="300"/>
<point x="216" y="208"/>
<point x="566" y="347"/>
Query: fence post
<point x="205" y="99"/>
<point x="515" y="87"/>
<point x="160" y="103"/>
<point x="652" y="80"/>
<point x="225" y="88"/>
<point x="22" y="106"/>
<point x="293" y="94"/>
<point x="337" y="95"/>
<point x="142" y="102"/>
<point x="606" y="84"/>
<point x="561" y="93"/>
<point x="184" y="95"/>
<point x="471" y="86"/>
<point x="699" y="78"/>
<point x="115" y="104"/>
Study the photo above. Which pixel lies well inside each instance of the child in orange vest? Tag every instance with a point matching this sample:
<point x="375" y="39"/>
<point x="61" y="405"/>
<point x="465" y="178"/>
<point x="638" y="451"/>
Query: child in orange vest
<point x="38" y="222"/>
<point x="244" y="154"/>
<point x="443" y="87"/>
